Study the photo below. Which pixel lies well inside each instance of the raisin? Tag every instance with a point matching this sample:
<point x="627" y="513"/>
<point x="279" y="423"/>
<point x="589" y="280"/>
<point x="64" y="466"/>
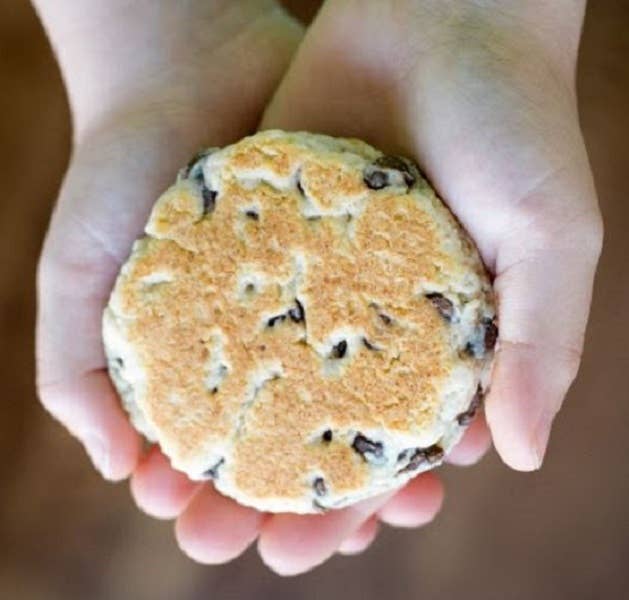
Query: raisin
<point x="421" y="456"/>
<point x="368" y="344"/>
<point x="491" y="334"/>
<point x="375" y="179"/>
<point x="364" y="445"/>
<point x="212" y="472"/>
<point x="469" y="349"/>
<point x="485" y="338"/>
<point x="297" y="313"/>
<point x="405" y="166"/>
<point x="339" y="350"/>
<point x="209" y="200"/>
<point x="300" y="187"/>
<point x="386" y="319"/>
<point x="194" y="168"/>
<point x="327" y="435"/>
<point x="319" y="486"/>
<point x="377" y="175"/>
<point x="252" y="214"/>
<point x="276" y="319"/>
<point x="442" y="304"/>
<point x="466" y="417"/>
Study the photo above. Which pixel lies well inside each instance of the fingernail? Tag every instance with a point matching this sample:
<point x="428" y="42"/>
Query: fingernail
<point x="541" y="437"/>
<point x="98" y="453"/>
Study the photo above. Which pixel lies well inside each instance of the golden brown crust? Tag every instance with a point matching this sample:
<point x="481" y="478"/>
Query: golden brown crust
<point x="199" y="292"/>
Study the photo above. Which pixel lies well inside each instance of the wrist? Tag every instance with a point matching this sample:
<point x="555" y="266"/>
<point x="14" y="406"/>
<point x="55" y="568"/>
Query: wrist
<point x="169" y="55"/>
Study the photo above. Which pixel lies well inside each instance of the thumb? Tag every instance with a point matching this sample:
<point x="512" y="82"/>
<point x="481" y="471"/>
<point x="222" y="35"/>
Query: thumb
<point x="543" y="284"/>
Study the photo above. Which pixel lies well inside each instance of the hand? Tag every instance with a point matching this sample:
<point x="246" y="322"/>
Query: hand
<point x="102" y="209"/>
<point x="482" y="94"/>
<point x="138" y="115"/>
<point x="140" y="110"/>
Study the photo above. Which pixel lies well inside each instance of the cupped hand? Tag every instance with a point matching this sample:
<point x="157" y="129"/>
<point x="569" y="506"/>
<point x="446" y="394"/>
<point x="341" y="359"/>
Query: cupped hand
<point x="127" y="150"/>
<point x="155" y="111"/>
<point x="483" y="96"/>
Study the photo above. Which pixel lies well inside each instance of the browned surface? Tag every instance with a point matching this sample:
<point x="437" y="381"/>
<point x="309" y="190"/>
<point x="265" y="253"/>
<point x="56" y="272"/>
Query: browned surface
<point x="561" y="533"/>
<point x="347" y="274"/>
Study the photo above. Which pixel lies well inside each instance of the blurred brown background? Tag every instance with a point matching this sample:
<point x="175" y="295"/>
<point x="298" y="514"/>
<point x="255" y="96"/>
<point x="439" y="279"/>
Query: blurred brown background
<point x="561" y="533"/>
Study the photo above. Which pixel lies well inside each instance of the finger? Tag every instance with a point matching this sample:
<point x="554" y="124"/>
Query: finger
<point x="544" y="300"/>
<point x="158" y="489"/>
<point x="474" y="444"/>
<point x="292" y="544"/>
<point x="214" y="529"/>
<point x="415" y="504"/>
<point x="90" y="409"/>
<point x="361" y="539"/>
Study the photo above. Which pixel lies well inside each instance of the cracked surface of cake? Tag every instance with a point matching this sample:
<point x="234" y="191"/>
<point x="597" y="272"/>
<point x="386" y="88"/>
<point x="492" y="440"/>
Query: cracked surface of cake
<point x="304" y="323"/>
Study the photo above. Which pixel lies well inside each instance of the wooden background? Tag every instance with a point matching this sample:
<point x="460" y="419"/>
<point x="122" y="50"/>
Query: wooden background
<point x="561" y="533"/>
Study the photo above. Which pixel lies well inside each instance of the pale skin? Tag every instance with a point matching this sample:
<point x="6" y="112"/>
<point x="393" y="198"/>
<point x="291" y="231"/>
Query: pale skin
<point x="480" y="92"/>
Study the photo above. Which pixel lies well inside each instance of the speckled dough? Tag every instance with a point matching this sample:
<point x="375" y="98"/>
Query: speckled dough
<point x="304" y="323"/>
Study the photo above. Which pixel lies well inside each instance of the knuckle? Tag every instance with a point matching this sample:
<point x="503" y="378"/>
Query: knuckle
<point x="568" y="362"/>
<point x="55" y="399"/>
<point x="565" y="359"/>
<point x="593" y="235"/>
<point x="52" y="401"/>
<point x="48" y="400"/>
<point x="584" y="232"/>
<point x="565" y="370"/>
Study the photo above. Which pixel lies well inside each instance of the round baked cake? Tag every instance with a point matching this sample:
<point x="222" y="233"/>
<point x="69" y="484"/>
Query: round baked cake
<point x="304" y="323"/>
